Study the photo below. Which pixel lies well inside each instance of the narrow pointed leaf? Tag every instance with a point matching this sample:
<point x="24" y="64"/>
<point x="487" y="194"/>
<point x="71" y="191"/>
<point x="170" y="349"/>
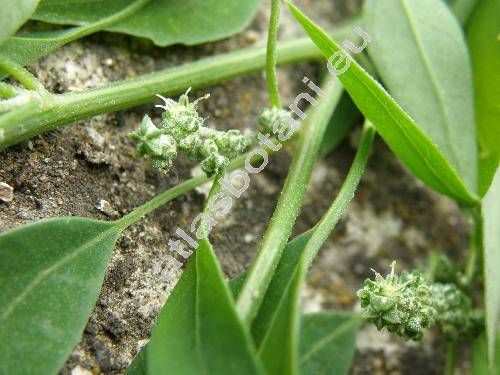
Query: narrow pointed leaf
<point x="327" y="343"/>
<point x="427" y="71"/>
<point x="484" y="44"/>
<point x="13" y="13"/>
<point x="398" y="130"/>
<point x="198" y="330"/>
<point x="51" y="274"/>
<point x="491" y="254"/>
<point x="165" y="22"/>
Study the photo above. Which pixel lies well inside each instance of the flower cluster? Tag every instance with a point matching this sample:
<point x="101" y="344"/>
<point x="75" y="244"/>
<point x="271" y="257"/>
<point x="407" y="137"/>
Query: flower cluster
<point x="181" y="129"/>
<point x="402" y="304"/>
<point x="272" y="119"/>
<point x="454" y="313"/>
<point x="408" y="304"/>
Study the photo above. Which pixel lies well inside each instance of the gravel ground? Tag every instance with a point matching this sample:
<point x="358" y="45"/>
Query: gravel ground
<point x="89" y="169"/>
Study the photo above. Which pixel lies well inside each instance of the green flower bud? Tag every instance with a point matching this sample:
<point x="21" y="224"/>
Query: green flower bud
<point x="271" y="119"/>
<point x="182" y="129"/>
<point x="409" y="304"/>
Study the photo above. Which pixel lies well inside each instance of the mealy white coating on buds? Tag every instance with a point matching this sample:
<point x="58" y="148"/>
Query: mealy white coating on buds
<point x="181" y="129"/>
<point x="408" y="304"/>
<point x="272" y="120"/>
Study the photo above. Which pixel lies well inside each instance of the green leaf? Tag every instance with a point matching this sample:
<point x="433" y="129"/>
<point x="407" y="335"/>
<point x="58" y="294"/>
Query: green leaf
<point x="51" y="274"/>
<point x="398" y="130"/>
<point x="482" y="36"/>
<point x="198" y="330"/>
<point x="480" y="365"/>
<point x="165" y="22"/>
<point x="327" y="343"/>
<point x="491" y="254"/>
<point x="13" y="14"/>
<point x="428" y="73"/>
<point x="277" y="326"/>
<point x="346" y="114"/>
<point x="29" y="47"/>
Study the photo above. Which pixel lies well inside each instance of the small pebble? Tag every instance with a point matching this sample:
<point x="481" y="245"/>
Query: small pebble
<point x="6" y="192"/>
<point x="105" y="207"/>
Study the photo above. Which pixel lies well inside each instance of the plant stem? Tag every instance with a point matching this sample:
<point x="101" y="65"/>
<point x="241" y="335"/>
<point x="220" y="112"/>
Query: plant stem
<point x="272" y="54"/>
<point x="287" y="209"/>
<point x="451" y="357"/>
<point x="344" y="196"/>
<point x="173" y="193"/>
<point x="59" y="110"/>
<point x="20" y="73"/>
<point x="8" y="91"/>
<point x="181" y="189"/>
<point x="161" y="199"/>
<point x="319" y="234"/>
<point x="476" y="244"/>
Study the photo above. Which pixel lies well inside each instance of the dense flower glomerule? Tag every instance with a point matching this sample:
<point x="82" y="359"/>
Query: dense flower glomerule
<point x="272" y="119"/>
<point x="181" y="129"/>
<point x="408" y="304"/>
<point x="402" y="304"/>
<point x="454" y="313"/>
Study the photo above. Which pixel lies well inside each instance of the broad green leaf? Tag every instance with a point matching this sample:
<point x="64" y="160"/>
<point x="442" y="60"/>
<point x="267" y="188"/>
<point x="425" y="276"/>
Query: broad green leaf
<point x="13" y="13"/>
<point x="480" y="365"/>
<point x="327" y="343"/>
<point x="165" y="22"/>
<point x="484" y="45"/>
<point x="344" y="117"/>
<point x="51" y="274"/>
<point x="490" y="207"/>
<point x="198" y="330"/>
<point x="29" y="47"/>
<point x="427" y="71"/>
<point x="398" y="130"/>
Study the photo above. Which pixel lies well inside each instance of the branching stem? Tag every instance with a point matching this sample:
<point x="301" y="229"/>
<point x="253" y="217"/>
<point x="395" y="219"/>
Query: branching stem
<point x="8" y="91"/>
<point x="20" y="73"/>
<point x="287" y="209"/>
<point x="59" y="110"/>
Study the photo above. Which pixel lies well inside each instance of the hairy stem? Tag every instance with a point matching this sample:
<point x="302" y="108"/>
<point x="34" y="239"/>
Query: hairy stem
<point x="27" y="79"/>
<point x="9" y="91"/>
<point x="272" y="54"/>
<point x="173" y="193"/>
<point x="288" y="206"/>
<point x="344" y="196"/>
<point x="59" y="110"/>
<point x="319" y="234"/>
